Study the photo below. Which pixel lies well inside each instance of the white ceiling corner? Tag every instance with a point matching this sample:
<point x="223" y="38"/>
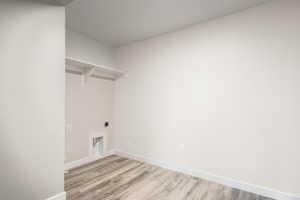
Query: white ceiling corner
<point x="120" y="22"/>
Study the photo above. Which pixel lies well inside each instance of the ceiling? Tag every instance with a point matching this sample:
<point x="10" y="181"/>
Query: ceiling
<point x="120" y="22"/>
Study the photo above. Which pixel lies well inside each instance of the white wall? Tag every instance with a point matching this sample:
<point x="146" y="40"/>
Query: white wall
<point x="32" y="87"/>
<point x="83" y="48"/>
<point x="88" y="106"/>
<point x="222" y="97"/>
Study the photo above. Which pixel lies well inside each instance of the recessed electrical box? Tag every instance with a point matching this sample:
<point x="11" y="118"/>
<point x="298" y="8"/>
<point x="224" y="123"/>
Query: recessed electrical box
<point x="97" y="146"/>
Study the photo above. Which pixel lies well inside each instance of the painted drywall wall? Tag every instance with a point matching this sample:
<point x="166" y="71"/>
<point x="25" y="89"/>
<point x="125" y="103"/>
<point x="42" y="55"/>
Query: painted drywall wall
<point x="88" y="107"/>
<point x="221" y="97"/>
<point x="83" y="48"/>
<point x="32" y="88"/>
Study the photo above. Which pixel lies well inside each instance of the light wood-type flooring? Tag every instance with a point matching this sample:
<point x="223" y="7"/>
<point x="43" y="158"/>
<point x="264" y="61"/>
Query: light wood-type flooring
<point x="118" y="178"/>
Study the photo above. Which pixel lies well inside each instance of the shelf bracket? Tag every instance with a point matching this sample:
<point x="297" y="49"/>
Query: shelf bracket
<point x="87" y="74"/>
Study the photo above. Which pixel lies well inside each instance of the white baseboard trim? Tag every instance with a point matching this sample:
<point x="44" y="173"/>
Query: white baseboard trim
<point x="83" y="161"/>
<point x="263" y="191"/>
<point x="60" y="196"/>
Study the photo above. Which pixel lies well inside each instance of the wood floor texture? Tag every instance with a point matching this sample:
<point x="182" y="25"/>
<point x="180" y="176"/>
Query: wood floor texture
<point x="118" y="178"/>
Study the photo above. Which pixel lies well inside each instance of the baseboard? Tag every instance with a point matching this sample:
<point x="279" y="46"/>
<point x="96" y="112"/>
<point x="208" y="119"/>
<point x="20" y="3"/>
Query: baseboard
<point x="60" y="196"/>
<point x="83" y="161"/>
<point x="263" y="191"/>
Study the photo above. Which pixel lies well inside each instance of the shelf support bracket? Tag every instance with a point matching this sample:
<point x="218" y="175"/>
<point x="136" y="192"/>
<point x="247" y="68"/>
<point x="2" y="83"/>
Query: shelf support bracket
<point x="87" y="74"/>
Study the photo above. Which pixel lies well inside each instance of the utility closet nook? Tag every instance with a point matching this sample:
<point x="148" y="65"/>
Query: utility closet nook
<point x="90" y="80"/>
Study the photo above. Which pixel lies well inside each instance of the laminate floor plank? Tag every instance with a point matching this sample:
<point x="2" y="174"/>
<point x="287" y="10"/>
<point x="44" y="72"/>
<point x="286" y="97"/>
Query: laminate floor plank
<point x="93" y="166"/>
<point x="109" y="169"/>
<point x="89" y="185"/>
<point x="119" y="178"/>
